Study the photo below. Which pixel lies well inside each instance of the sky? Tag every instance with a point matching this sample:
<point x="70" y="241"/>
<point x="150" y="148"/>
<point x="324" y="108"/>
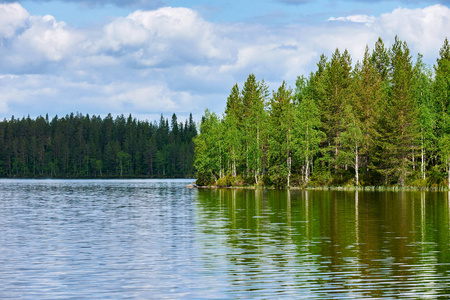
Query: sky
<point x="153" y="57"/>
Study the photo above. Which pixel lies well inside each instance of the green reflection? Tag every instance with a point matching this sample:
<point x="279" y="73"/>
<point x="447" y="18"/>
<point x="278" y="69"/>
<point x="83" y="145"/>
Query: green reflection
<point x="327" y="243"/>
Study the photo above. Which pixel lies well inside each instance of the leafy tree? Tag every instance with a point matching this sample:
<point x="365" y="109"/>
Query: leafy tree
<point x="281" y="120"/>
<point x="233" y="132"/>
<point x="306" y="133"/>
<point x="207" y="154"/>
<point x="352" y="139"/>
<point x="254" y="95"/>
<point x="427" y="124"/>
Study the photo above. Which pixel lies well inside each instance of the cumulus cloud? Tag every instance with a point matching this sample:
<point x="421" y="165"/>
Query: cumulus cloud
<point x="423" y="29"/>
<point x="31" y="43"/>
<point x="163" y="37"/>
<point x="12" y="18"/>
<point x="173" y="60"/>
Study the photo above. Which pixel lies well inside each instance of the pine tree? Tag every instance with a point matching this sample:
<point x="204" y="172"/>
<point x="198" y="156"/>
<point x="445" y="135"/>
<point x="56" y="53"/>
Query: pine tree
<point x="380" y="59"/>
<point x="366" y="98"/>
<point x="400" y="131"/>
<point x="333" y="105"/>
<point x="441" y="101"/>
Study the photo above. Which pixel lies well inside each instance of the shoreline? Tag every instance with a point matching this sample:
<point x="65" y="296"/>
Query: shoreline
<point x="330" y="188"/>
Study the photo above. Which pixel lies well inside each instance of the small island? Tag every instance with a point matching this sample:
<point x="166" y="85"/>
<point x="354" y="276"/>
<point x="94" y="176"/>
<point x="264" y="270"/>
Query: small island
<point x="382" y="122"/>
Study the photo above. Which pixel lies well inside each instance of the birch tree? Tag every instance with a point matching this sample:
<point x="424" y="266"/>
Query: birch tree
<point x="254" y="117"/>
<point x="281" y="118"/>
<point x="307" y="134"/>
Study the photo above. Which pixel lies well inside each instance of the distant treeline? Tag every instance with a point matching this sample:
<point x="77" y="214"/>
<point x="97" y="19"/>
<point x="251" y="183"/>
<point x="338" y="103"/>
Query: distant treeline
<point x="383" y="121"/>
<point x="78" y="146"/>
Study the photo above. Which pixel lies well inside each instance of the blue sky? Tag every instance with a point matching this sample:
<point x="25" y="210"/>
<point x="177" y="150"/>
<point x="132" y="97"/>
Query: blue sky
<point x="148" y="57"/>
<point x="79" y="13"/>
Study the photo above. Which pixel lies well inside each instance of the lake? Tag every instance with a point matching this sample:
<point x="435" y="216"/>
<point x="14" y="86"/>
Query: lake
<point x="157" y="239"/>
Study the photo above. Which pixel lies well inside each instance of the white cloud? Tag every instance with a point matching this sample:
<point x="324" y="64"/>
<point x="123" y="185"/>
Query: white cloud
<point x="48" y="37"/>
<point x="165" y="36"/>
<point x="147" y="99"/>
<point x="39" y="42"/>
<point x="12" y="17"/>
<point x="355" y="19"/>
<point x="423" y="29"/>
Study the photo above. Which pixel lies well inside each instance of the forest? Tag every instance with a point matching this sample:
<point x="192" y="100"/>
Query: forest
<point x="78" y="146"/>
<point x="383" y="121"/>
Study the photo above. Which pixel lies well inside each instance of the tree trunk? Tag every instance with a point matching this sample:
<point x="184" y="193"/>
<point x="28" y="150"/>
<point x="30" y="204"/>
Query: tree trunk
<point x="422" y="169"/>
<point x="449" y="175"/>
<point x="289" y="161"/>
<point x="307" y="171"/>
<point x="357" y="166"/>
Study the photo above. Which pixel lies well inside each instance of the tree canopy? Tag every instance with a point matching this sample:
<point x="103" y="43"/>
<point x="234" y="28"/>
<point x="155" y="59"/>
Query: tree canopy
<point x="381" y="121"/>
<point x="83" y="146"/>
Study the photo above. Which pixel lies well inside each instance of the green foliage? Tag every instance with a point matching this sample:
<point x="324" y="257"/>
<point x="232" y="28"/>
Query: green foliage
<point x="83" y="146"/>
<point x="229" y="180"/>
<point x="307" y="134"/>
<point x="281" y="120"/>
<point x="385" y="122"/>
<point x="208" y="154"/>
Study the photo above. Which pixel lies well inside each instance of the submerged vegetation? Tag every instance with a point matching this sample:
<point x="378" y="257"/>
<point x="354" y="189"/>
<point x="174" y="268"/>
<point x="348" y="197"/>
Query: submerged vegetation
<point x="383" y="122"/>
<point x="78" y="146"/>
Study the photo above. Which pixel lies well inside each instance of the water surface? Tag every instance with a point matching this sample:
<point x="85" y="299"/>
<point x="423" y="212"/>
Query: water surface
<point x="156" y="239"/>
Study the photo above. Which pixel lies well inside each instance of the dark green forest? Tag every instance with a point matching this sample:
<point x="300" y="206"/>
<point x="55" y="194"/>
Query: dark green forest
<point x="78" y="146"/>
<point x="383" y="121"/>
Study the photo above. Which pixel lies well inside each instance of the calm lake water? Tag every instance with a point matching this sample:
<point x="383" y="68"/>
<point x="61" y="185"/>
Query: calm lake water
<point x="156" y="239"/>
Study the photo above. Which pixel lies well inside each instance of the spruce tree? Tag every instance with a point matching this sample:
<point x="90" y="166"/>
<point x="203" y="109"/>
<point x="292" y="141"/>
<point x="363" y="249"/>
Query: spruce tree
<point x="400" y="130"/>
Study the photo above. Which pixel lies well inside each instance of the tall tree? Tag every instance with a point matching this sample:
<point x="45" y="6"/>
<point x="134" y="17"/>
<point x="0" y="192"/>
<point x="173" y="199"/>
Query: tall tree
<point x="400" y="130"/>
<point x="352" y="139"/>
<point x="254" y="96"/>
<point x="366" y="98"/>
<point x="233" y="132"/>
<point x="281" y="123"/>
<point x="427" y="116"/>
<point x="338" y="75"/>
<point x="306" y="133"/>
<point x="208" y="152"/>
<point x="441" y="97"/>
